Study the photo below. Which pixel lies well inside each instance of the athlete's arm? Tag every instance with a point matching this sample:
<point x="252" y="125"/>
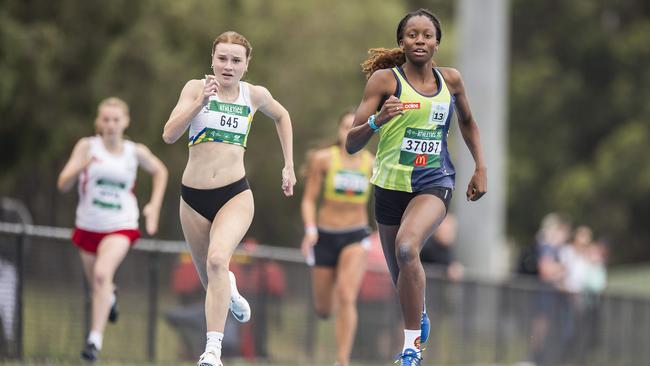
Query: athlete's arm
<point x="265" y="103"/>
<point x="193" y="97"/>
<point x="149" y="162"/>
<point x="477" y="186"/>
<point x="79" y="160"/>
<point x="381" y="84"/>
<point x="316" y="167"/>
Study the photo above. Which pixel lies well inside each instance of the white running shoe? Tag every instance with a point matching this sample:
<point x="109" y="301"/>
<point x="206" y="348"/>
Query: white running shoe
<point x="239" y="307"/>
<point x="209" y="359"/>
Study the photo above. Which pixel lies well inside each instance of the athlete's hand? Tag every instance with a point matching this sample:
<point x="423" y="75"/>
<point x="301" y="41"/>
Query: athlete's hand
<point x="391" y="108"/>
<point x="210" y="88"/>
<point x="477" y="186"/>
<point x="307" y="245"/>
<point x="288" y="180"/>
<point x="151" y="214"/>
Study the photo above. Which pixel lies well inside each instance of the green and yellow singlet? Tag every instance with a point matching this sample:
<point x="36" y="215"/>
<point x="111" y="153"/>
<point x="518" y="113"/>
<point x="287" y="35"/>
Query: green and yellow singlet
<point x="412" y="154"/>
<point x="347" y="185"/>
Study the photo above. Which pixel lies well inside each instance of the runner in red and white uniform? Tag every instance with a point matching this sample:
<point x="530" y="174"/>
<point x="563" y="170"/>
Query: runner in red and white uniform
<point x="106" y="225"/>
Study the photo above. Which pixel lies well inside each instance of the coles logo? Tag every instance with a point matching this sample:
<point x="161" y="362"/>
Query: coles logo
<point x="411" y="105"/>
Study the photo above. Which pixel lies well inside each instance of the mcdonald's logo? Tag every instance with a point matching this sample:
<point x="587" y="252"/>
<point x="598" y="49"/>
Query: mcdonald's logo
<point x="420" y="160"/>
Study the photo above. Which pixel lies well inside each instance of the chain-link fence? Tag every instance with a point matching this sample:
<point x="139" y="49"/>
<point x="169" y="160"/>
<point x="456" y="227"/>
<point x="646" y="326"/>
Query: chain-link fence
<point x="44" y="309"/>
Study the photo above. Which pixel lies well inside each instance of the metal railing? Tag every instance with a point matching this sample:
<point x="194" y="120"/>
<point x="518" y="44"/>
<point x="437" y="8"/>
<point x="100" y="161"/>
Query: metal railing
<point x="474" y="320"/>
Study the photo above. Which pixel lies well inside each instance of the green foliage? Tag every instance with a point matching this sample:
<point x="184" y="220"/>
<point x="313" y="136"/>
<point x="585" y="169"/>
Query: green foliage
<point x="580" y="120"/>
<point x="60" y="59"/>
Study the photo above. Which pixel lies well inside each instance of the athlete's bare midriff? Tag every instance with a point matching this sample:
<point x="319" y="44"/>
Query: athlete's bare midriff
<point x="213" y="165"/>
<point x="336" y="215"/>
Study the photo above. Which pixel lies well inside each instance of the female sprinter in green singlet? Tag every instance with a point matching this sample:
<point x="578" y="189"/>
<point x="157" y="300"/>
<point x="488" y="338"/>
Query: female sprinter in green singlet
<point x="336" y="238"/>
<point x="216" y="206"/>
<point x="413" y="174"/>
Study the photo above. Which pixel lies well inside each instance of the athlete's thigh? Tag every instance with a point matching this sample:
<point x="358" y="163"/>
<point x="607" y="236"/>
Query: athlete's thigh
<point x="231" y="223"/>
<point x="196" y="230"/>
<point x="351" y="267"/>
<point x="111" y="252"/>
<point x="422" y="215"/>
<point x="322" y="282"/>
<point x="387" y="235"/>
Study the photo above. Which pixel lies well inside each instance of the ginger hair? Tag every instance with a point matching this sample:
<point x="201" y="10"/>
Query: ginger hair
<point x="234" y="38"/>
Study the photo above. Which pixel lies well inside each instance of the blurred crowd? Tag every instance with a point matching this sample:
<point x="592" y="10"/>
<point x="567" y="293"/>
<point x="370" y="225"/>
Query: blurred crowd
<point x="568" y="265"/>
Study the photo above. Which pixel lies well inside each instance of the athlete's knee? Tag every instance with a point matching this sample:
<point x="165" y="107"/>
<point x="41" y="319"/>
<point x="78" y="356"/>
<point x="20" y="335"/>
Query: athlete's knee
<point x="346" y="297"/>
<point x="217" y="262"/>
<point x="407" y="252"/>
<point x="101" y="279"/>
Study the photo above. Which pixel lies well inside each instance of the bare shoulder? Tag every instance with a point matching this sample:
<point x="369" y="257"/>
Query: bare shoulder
<point x="195" y="83"/>
<point x="319" y="160"/>
<point x="141" y="148"/>
<point x="452" y="77"/>
<point x="193" y="86"/>
<point x="83" y="145"/>
<point x="322" y="156"/>
<point x="259" y="94"/>
<point x="383" y="77"/>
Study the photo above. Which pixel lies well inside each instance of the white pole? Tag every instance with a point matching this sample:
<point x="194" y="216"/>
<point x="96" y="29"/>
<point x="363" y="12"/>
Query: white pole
<point x="483" y="50"/>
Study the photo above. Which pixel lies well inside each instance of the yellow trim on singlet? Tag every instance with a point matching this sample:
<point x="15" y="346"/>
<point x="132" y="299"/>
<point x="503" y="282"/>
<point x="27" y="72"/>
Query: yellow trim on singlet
<point x="345" y="184"/>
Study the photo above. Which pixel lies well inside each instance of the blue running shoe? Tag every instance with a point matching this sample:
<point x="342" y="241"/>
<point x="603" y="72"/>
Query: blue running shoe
<point x="424" y="328"/>
<point x="409" y="357"/>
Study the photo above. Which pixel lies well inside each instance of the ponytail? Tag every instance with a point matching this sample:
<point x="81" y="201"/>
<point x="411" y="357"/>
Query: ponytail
<point x="382" y="58"/>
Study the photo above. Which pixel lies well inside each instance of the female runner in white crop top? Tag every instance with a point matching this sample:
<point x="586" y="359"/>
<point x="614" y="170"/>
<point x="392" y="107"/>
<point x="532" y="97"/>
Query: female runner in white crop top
<point x="216" y="207"/>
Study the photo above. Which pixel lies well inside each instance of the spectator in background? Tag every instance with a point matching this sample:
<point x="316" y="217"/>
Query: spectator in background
<point x="552" y="236"/>
<point x="575" y="261"/>
<point x="595" y="280"/>
<point x="188" y="317"/>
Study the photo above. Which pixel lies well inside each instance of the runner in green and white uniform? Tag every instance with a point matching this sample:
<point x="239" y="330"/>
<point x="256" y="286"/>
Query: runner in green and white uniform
<point x="413" y="174"/>
<point x="216" y="207"/>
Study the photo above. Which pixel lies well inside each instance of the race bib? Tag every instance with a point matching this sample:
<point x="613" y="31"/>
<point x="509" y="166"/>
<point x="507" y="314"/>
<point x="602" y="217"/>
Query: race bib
<point x="232" y="122"/>
<point x="350" y="183"/>
<point x="439" y="113"/>
<point x="421" y="148"/>
<point x="108" y="194"/>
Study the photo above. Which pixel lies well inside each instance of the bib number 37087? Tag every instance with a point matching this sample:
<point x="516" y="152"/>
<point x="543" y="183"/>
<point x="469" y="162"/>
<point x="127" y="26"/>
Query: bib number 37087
<point x="421" y="148"/>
